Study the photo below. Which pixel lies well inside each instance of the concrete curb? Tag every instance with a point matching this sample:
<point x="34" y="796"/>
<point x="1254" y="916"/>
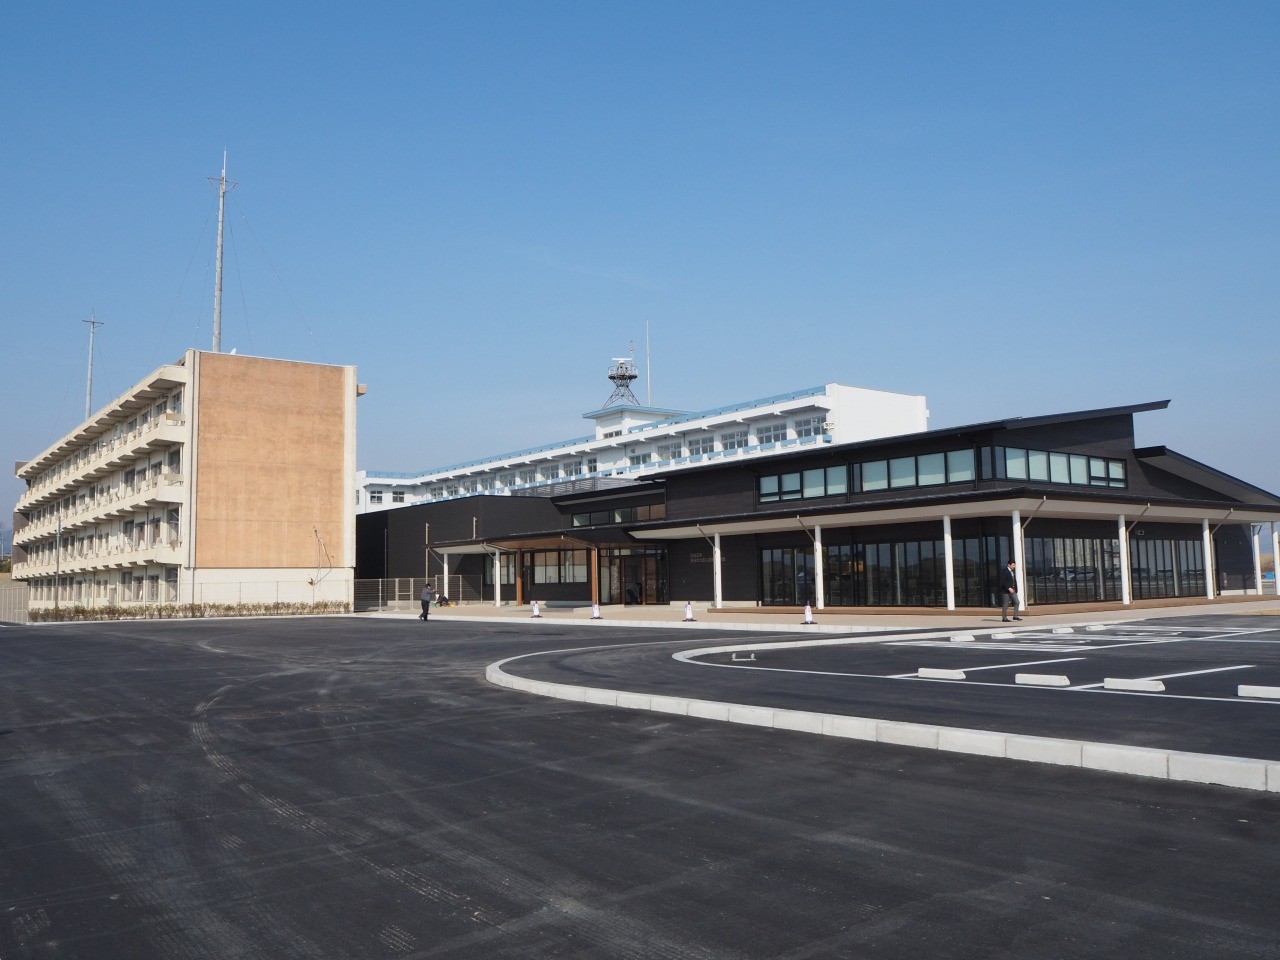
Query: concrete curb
<point x="1241" y="772"/>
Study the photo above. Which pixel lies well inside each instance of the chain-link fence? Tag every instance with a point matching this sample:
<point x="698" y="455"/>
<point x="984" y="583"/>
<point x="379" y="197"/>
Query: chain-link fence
<point x="404" y="593"/>
<point x="13" y="602"/>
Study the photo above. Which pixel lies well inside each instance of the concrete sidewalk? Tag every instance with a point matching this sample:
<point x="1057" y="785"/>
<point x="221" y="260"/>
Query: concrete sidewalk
<point x="850" y="619"/>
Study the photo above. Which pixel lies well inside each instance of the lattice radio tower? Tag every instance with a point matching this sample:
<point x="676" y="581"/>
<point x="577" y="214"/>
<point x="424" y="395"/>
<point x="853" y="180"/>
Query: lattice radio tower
<point x="623" y="374"/>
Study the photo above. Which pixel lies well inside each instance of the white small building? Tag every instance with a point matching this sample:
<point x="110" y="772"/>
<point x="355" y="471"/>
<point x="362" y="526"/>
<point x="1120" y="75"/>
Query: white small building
<point x="630" y="440"/>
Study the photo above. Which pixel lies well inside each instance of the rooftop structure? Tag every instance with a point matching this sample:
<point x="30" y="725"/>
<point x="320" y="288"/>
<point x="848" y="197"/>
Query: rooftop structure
<point x="631" y="440"/>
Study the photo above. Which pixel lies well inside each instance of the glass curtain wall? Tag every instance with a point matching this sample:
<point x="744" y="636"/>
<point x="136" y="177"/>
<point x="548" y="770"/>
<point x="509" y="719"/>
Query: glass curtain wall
<point x="1072" y="569"/>
<point x="911" y="573"/>
<point x="1166" y="568"/>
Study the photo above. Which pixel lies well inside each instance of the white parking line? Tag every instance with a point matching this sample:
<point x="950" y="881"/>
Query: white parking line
<point x="1172" y="676"/>
<point x="995" y="666"/>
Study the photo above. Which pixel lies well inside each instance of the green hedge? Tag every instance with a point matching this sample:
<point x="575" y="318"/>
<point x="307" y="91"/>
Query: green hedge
<point x="187" y="611"/>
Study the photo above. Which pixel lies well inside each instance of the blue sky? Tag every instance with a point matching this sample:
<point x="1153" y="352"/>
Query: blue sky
<point x="1011" y="208"/>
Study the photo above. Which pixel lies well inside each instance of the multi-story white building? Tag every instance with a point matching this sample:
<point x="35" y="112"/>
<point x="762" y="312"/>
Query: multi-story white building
<point x="219" y="478"/>
<point x="631" y="440"/>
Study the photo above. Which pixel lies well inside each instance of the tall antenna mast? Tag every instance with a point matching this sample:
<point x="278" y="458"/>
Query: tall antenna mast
<point x="222" y="184"/>
<point x="93" y="323"/>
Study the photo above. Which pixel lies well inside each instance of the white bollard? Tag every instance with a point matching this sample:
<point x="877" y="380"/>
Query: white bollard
<point x="808" y="613"/>
<point x="688" y="611"/>
<point x="595" y="611"/>
<point x="534" y="607"/>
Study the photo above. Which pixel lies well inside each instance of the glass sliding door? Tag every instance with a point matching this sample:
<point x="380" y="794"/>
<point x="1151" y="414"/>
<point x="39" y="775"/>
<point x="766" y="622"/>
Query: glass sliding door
<point x="786" y="576"/>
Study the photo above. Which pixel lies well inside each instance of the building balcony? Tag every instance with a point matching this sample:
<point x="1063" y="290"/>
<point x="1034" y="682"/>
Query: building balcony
<point x="161" y="432"/>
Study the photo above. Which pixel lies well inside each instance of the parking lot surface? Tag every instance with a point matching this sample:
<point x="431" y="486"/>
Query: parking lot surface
<point x="972" y="681"/>
<point x="354" y="788"/>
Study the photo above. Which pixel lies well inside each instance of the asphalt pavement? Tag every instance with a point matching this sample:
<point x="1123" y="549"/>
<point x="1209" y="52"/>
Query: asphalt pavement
<point x="343" y="787"/>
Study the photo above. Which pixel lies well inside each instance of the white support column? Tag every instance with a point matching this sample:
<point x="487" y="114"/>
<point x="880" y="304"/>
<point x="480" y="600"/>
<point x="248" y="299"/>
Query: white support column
<point x="1275" y="558"/>
<point x="819" y="589"/>
<point x="1126" y="581"/>
<point x="948" y="558"/>
<point x="1256" y="530"/>
<point x="717" y="590"/>
<point x="497" y="578"/>
<point x="1018" y="559"/>
<point x="1210" y="573"/>
<point x="444" y="563"/>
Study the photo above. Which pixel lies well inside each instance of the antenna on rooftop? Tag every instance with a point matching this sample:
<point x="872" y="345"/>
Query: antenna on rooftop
<point x="623" y="373"/>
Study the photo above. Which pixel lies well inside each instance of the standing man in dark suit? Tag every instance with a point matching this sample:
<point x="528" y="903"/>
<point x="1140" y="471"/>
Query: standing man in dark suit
<point x="1009" y="592"/>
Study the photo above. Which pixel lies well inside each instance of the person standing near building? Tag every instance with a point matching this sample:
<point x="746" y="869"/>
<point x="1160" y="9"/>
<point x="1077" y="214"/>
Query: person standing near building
<point x="428" y="595"/>
<point x="1009" y="592"/>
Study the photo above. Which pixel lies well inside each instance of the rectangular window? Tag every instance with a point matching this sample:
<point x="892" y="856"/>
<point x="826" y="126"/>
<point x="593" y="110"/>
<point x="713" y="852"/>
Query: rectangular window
<point x="814" y="483"/>
<point x="592" y="465"/>
<point x="768" y="489"/>
<point x="1115" y="470"/>
<point x="1015" y="463"/>
<point x="931" y="469"/>
<point x="809" y="427"/>
<point x="960" y="466"/>
<point x="875" y="475"/>
<point x="1059" y="468"/>
<point x="670" y="451"/>
<point x="701" y="445"/>
<point x="375" y="496"/>
<point x="397" y="496"/>
<point x="789" y="484"/>
<point x="573" y="468"/>
<point x="1098" y="472"/>
<point x="837" y="480"/>
<point x="1079" y="470"/>
<point x="902" y="472"/>
<point x="771" y="433"/>
<point x="733" y="440"/>
<point x="507" y="479"/>
<point x="1037" y="465"/>
<point x="638" y="459"/>
<point x="528" y="475"/>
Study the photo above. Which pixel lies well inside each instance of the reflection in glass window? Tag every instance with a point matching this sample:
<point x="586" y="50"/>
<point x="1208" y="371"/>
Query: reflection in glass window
<point x="959" y="466"/>
<point x="837" y="480"/>
<point x="1015" y="463"/>
<point x="1037" y="465"/>
<point x="875" y="475"/>
<point x="815" y="483"/>
<point x="902" y="472"/>
<point x="1079" y="469"/>
<point x="768" y="489"/>
<point x="1059" y="468"/>
<point x="932" y="469"/>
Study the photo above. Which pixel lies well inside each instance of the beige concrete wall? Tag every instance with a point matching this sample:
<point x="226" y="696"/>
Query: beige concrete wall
<point x="271" y="441"/>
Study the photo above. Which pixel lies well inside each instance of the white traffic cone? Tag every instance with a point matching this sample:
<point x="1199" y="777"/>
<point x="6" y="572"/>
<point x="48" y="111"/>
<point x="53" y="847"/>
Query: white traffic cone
<point x="534" y="607"/>
<point x="595" y="611"/>
<point x="688" y="611"/>
<point x="808" y="613"/>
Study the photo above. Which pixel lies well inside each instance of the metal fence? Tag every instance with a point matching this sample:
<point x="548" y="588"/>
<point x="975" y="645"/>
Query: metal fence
<point x="404" y="593"/>
<point x="13" y="602"/>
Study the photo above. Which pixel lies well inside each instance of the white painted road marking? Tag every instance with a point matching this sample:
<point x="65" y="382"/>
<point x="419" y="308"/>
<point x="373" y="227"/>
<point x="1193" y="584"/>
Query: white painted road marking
<point x="1174" y="676"/>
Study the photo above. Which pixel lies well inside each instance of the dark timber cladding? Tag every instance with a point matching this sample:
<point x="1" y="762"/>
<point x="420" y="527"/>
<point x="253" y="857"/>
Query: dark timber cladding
<point x="1091" y="516"/>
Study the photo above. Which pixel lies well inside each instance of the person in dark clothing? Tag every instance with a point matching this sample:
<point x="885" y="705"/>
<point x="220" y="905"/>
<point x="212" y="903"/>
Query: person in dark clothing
<point x="1009" y="592"/>
<point x="428" y="595"/>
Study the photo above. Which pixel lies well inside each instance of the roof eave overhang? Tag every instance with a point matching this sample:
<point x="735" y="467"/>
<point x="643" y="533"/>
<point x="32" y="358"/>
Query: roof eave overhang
<point x="1028" y="506"/>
